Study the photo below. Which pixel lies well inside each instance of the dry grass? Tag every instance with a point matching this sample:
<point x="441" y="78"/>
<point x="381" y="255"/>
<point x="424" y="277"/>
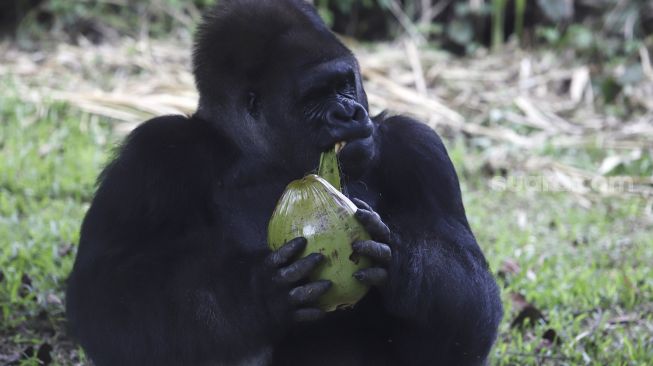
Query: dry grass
<point x="522" y="102"/>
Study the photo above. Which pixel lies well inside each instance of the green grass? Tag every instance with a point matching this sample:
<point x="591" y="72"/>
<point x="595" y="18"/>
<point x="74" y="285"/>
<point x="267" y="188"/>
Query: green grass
<point x="49" y="158"/>
<point x="587" y="270"/>
<point x="584" y="269"/>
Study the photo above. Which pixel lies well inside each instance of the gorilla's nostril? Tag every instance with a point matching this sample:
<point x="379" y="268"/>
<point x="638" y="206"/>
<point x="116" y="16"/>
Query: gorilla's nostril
<point x="360" y="114"/>
<point x="347" y="113"/>
<point x="340" y="115"/>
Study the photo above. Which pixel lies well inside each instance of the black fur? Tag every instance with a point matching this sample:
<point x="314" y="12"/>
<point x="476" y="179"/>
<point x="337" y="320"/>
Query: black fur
<point x="173" y="266"/>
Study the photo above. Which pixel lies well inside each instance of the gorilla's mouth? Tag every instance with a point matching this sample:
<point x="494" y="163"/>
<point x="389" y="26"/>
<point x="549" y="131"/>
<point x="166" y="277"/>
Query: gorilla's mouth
<point x="342" y="134"/>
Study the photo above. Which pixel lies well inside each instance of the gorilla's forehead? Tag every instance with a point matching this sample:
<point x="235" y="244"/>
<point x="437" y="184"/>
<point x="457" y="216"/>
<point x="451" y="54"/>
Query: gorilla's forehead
<point x="302" y="49"/>
<point x="247" y="40"/>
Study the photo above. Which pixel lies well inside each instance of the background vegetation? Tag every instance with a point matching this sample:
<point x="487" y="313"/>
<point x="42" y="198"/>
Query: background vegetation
<point x="546" y="108"/>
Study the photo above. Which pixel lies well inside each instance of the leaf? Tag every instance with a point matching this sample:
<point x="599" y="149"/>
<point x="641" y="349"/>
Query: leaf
<point x="632" y="74"/>
<point x="609" y="164"/>
<point x="460" y="31"/>
<point x="26" y="286"/>
<point x="65" y="249"/>
<point x="625" y="319"/>
<point x="579" y="83"/>
<point x="509" y="267"/>
<point x="54" y="299"/>
<point x="580" y="37"/>
<point x="551" y="336"/>
<point x="557" y="10"/>
<point x="528" y="313"/>
<point x="42" y="354"/>
<point x="610" y="89"/>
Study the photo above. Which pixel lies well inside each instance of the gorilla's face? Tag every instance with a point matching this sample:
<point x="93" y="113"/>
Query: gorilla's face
<point x="283" y="85"/>
<point x="313" y="108"/>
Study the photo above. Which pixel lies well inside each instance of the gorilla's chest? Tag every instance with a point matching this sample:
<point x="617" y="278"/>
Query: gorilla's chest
<point x="244" y="203"/>
<point x="244" y="208"/>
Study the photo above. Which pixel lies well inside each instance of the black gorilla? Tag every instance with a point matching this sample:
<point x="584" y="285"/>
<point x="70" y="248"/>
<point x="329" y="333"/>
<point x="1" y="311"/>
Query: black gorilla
<point x="173" y="266"/>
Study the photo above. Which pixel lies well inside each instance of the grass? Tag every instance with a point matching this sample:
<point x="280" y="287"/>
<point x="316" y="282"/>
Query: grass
<point x="587" y="270"/>
<point x="50" y="156"/>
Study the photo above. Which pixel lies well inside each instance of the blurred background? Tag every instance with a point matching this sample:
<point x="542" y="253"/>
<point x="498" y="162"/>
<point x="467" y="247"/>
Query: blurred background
<point x="546" y="107"/>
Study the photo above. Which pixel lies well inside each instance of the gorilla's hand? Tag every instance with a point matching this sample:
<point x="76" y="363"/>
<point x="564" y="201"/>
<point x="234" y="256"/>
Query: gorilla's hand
<point x="290" y="281"/>
<point x="376" y="249"/>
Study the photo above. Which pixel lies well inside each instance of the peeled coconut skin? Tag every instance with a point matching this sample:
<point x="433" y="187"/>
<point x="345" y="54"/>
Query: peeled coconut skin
<point x="313" y="208"/>
<point x="329" y="169"/>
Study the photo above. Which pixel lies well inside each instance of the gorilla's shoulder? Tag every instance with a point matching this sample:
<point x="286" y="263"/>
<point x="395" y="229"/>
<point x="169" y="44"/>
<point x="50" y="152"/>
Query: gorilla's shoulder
<point x="410" y="133"/>
<point x="164" y="166"/>
<point x="172" y="135"/>
<point x="169" y="147"/>
<point x="165" y="131"/>
<point x="416" y="161"/>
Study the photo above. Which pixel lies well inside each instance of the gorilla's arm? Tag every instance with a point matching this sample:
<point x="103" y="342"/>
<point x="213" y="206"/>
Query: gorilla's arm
<point x="439" y="290"/>
<point x="158" y="279"/>
<point x="150" y="279"/>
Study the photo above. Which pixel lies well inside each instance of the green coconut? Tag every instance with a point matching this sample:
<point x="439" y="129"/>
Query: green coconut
<point x="313" y="208"/>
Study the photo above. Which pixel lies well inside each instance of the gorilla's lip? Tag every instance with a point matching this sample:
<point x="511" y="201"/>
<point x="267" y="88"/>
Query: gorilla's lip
<point x="346" y="133"/>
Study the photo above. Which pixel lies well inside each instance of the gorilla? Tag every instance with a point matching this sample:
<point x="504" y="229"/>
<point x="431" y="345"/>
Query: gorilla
<point x="173" y="266"/>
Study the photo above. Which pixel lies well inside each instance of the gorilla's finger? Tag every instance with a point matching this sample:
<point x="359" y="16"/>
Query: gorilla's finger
<point x="374" y="225"/>
<point x="374" y="276"/>
<point x="300" y="269"/>
<point x="288" y="251"/>
<point x="309" y="293"/>
<point x="308" y="315"/>
<point x="379" y="252"/>
<point x="362" y="204"/>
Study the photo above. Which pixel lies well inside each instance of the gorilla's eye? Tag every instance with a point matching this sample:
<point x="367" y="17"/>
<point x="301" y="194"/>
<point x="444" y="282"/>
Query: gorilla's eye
<point x="346" y="86"/>
<point x="343" y="84"/>
<point x="253" y="104"/>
